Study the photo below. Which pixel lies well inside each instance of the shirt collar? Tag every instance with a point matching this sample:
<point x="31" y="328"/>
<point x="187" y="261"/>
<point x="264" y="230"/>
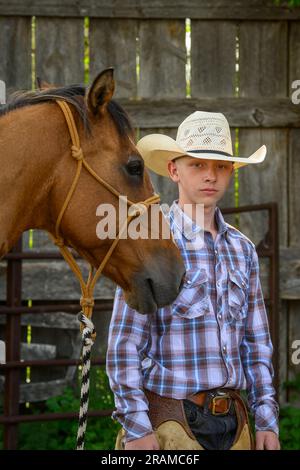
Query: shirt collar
<point x="188" y="227"/>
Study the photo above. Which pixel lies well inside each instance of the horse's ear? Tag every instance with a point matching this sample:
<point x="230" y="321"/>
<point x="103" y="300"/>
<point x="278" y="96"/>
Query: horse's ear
<point x="42" y="84"/>
<point x="101" y="91"/>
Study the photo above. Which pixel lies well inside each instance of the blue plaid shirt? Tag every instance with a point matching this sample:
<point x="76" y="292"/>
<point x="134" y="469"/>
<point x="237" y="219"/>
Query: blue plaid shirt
<point x="215" y="334"/>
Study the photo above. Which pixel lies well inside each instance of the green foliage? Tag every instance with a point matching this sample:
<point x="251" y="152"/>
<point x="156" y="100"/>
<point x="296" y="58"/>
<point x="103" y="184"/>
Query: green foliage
<point x="289" y="424"/>
<point x="293" y="387"/>
<point x="61" y="435"/>
<point x="289" y="3"/>
<point x="290" y="428"/>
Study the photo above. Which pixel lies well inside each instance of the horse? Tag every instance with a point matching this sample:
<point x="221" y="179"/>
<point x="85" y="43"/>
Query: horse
<point x="37" y="172"/>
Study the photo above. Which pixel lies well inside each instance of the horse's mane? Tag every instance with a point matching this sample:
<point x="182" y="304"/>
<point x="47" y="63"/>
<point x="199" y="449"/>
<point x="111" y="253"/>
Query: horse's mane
<point x="73" y="94"/>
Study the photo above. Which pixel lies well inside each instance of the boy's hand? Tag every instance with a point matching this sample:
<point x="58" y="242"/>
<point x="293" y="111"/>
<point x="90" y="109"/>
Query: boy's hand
<point x="148" y="442"/>
<point x="267" y="440"/>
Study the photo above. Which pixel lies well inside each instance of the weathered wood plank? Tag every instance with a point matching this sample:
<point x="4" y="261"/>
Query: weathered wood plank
<point x="2" y="92"/>
<point x="290" y="273"/>
<point x="294" y="143"/>
<point x="294" y="211"/>
<point x="213" y="59"/>
<point x="204" y="9"/>
<point x="162" y="59"/>
<point x="293" y="335"/>
<point x="283" y="350"/>
<point x="40" y="391"/>
<point x="15" y="53"/>
<point x="113" y="44"/>
<point x="213" y="74"/>
<point x="35" y="351"/>
<point x="161" y="50"/>
<point x="240" y="112"/>
<point x="59" y="50"/>
<point x="263" y="58"/>
<point x="265" y="182"/>
<point x="53" y="281"/>
<point x="59" y="320"/>
<point x="261" y="77"/>
<point x="294" y="187"/>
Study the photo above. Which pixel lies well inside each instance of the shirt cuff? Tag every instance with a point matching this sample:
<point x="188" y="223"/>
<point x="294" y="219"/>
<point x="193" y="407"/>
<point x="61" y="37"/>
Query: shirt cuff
<point x="266" y="418"/>
<point x="136" y="424"/>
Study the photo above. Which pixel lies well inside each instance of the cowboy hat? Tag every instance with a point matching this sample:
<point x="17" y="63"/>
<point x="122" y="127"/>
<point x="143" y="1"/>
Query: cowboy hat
<point x="201" y="135"/>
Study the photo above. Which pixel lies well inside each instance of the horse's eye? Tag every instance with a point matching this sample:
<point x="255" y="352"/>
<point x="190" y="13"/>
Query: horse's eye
<point x="135" y="167"/>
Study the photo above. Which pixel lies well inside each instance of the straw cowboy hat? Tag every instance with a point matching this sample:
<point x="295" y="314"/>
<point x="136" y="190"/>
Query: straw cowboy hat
<point x="200" y="135"/>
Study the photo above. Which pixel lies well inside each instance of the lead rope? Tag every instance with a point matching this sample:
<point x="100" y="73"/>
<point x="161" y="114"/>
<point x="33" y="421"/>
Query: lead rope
<point x="87" y="344"/>
<point x="87" y="288"/>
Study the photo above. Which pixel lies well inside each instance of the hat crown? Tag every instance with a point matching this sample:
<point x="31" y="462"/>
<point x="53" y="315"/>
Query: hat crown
<point x="205" y="131"/>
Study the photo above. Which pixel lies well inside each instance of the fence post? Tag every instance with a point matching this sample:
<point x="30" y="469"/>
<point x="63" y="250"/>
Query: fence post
<point x="13" y="348"/>
<point x="274" y="292"/>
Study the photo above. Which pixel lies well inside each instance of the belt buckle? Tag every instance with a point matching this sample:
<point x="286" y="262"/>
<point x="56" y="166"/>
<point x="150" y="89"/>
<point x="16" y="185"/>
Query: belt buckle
<point x="213" y="401"/>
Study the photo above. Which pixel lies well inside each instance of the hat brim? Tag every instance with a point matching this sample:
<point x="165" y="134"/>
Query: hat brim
<point x="158" y="149"/>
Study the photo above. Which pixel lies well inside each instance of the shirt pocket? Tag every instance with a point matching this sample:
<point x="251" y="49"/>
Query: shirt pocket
<point x="193" y="300"/>
<point x="238" y="285"/>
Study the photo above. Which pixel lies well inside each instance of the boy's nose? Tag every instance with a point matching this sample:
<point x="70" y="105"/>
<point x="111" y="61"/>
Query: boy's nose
<point x="210" y="174"/>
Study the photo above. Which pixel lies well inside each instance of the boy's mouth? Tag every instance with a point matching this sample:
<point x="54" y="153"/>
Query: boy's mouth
<point x="209" y="190"/>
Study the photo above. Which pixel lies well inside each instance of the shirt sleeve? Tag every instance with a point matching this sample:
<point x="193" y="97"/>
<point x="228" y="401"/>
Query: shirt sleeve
<point x="256" y="352"/>
<point x="128" y="339"/>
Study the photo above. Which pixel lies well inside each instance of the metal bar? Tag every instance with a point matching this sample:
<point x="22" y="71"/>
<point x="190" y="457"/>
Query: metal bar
<point x="48" y="362"/>
<point x="255" y="207"/>
<point x="14" y="420"/>
<point x="271" y="251"/>
<point x="274" y="292"/>
<point x="52" y="308"/>
<point x="13" y="350"/>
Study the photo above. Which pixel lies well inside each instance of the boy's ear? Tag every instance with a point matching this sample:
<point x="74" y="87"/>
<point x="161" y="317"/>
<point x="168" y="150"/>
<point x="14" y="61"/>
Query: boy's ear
<point x="172" y="169"/>
<point x="101" y="91"/>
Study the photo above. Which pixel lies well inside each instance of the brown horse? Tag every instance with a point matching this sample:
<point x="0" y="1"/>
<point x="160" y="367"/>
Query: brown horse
<point x="37" y="172"/>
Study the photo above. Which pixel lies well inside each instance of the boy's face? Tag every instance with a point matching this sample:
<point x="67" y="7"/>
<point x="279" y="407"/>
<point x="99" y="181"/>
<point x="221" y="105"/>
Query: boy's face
<point x="195" y="175"/>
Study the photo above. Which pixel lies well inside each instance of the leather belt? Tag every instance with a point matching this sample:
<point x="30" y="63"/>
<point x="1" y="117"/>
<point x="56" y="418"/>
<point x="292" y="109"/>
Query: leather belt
<point x="162" y="409"/>
<point x="218" y="401"/>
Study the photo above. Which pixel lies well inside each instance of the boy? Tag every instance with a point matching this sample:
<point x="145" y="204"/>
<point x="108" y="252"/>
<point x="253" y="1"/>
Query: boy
<point x="176" y="375"/>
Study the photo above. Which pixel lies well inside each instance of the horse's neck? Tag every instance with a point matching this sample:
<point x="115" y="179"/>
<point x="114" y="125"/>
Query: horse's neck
<point x="27" y="156"/>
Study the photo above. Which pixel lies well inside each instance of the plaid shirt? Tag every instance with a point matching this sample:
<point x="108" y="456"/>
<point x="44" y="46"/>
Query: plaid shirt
<point x="215" y="334"/>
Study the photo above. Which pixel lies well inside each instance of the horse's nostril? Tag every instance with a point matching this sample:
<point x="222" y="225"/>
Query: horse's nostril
<point x="150" y="282"/>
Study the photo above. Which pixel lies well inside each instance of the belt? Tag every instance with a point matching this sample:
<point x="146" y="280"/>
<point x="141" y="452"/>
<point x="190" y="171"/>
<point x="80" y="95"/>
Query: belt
<point x="163" y="409"/>
<point x="218" y="401"/>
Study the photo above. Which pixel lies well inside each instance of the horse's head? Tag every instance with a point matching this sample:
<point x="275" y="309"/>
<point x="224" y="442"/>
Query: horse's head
<point x="148" y="269"/>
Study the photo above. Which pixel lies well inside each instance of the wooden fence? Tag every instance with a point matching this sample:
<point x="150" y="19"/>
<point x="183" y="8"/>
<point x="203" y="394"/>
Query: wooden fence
<point x="238" y="57"/>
